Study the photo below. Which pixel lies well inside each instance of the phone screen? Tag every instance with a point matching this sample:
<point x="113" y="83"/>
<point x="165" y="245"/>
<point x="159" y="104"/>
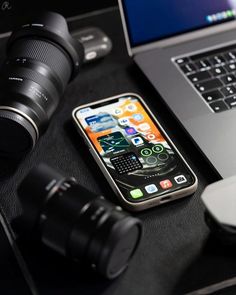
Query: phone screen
<point x="137" y="154"/>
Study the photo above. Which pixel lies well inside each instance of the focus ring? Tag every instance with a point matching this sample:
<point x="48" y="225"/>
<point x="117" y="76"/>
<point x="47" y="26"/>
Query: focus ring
<point x="45" y="52"/>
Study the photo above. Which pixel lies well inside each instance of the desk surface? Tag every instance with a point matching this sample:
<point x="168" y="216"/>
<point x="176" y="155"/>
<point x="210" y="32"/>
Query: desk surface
<point x="176" y="254"/>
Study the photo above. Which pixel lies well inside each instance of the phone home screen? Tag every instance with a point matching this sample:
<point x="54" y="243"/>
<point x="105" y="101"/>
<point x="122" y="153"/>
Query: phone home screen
<point x="135" y="152"/>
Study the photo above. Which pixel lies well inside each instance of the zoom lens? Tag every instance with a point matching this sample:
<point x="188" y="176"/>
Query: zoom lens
<point x="42" y="58"/>
<point x="77" y="223"/>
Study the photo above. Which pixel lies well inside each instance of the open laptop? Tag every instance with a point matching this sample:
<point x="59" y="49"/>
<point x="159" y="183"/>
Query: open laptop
<point x="187" y="49"/>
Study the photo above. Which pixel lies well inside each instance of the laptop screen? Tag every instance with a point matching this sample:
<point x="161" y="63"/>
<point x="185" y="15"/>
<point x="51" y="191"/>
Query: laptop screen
<point x="153" y="20"/>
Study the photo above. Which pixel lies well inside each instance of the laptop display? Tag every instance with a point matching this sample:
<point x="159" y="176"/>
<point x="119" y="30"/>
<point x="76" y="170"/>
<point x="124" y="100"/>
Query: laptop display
<point x="152" y="20"/>
<point x="194" y="73"/>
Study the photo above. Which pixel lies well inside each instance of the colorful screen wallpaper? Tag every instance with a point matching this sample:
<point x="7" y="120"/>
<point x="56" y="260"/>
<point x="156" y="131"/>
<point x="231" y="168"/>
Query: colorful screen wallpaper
<point x="133" y="149"/>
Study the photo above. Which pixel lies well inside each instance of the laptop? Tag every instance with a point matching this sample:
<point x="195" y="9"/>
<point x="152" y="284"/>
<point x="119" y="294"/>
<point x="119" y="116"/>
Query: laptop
<point x="187" y="49"/>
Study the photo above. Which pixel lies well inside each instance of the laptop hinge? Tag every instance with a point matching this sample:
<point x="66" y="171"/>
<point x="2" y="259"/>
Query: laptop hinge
<point x="185" y="37"/>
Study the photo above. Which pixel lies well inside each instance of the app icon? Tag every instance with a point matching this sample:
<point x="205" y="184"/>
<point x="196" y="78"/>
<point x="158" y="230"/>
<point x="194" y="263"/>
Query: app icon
<point x="136" y="193"/>
<point x="151" y="136"/>
<point x="146" y="152"/>
<point x="219" y="16"/>
<point x="229" y="13"/>
<point x="165" y="184"/>
<point x="118" y="111"/>
<point x="131" y="107"/>
<point x="180" y="179"/>
<point x="138" y="117"/>
<point x="137" y="140"/>
<point x="144" y="126"/>
<point x="224" y="15"/>
<point x="124" y="121"/>
<point x="158" y="148"/>
<point x="213" y="18"/>
<point x="151" y="188"/>
<point x="113" y="142"/>
<point x="130" y="130"/>
<point x="100" y="122"/>
<point x="209" y="19"/>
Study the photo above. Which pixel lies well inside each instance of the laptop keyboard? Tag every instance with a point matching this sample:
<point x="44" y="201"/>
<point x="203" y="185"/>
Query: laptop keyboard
<point x="213" y="75"/>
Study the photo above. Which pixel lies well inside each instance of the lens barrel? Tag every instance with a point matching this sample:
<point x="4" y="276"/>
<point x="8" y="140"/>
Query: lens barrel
<point x="42" y="58"/>
<point x="77" y="223"/>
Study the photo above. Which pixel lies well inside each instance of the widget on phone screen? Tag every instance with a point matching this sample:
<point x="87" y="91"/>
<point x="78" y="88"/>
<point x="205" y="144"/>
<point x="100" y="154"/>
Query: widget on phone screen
<point x="126" y="163"/>
<point x="156" y="150"/>
<point x="100" y="122"/>
<point x="155" y="155"/>
<point x="113" y="142"/>
<point x="165" y="184"/>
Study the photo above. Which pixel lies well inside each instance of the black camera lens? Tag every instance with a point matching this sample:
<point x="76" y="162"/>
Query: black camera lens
<point x="77" y="223"/>
<point x="42" y="58"/>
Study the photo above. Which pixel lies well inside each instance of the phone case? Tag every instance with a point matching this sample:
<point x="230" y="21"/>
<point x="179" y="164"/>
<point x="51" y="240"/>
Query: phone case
<point x="145" y="203"/>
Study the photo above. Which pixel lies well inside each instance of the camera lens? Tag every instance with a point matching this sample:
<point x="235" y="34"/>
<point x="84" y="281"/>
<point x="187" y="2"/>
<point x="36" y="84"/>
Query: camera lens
<point x="42" y="58"/>
<point x="77" y="223"/>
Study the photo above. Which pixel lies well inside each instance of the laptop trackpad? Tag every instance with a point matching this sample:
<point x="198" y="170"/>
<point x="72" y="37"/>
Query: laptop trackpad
<point x="215" y="134"/>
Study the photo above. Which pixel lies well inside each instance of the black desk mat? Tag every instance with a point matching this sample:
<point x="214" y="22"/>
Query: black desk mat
<point x="176" y="254"/>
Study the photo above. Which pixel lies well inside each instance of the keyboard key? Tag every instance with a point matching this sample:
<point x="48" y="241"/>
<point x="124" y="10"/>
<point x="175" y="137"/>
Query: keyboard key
<point x="231" y="67"/>
<point x="228" y="79"/>
<point x="212" y="95"/>
<point x="231" y="101"/>
<point x="188" y="68"/>
<point x="218" y="106"/>
<point x="181" y="61"/>
<point x="230" y="56"/>
<point x="209" y="85"/>
<point x="199" y="76"/>
<point x="213" y="73"/>
<point x="202" y="64"/>
<point x="218" y="71"/>
<point x="213" y="52"/>
<point x="217" y="59"/>
<point x="228" y="90"/>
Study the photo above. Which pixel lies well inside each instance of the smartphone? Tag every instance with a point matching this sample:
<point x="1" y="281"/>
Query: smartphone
<point x="15" y="278"/>
<point x="137" y="157"/>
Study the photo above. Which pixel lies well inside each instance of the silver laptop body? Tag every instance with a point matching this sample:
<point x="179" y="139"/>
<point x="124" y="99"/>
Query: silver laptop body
<point x="214" y="133"/>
